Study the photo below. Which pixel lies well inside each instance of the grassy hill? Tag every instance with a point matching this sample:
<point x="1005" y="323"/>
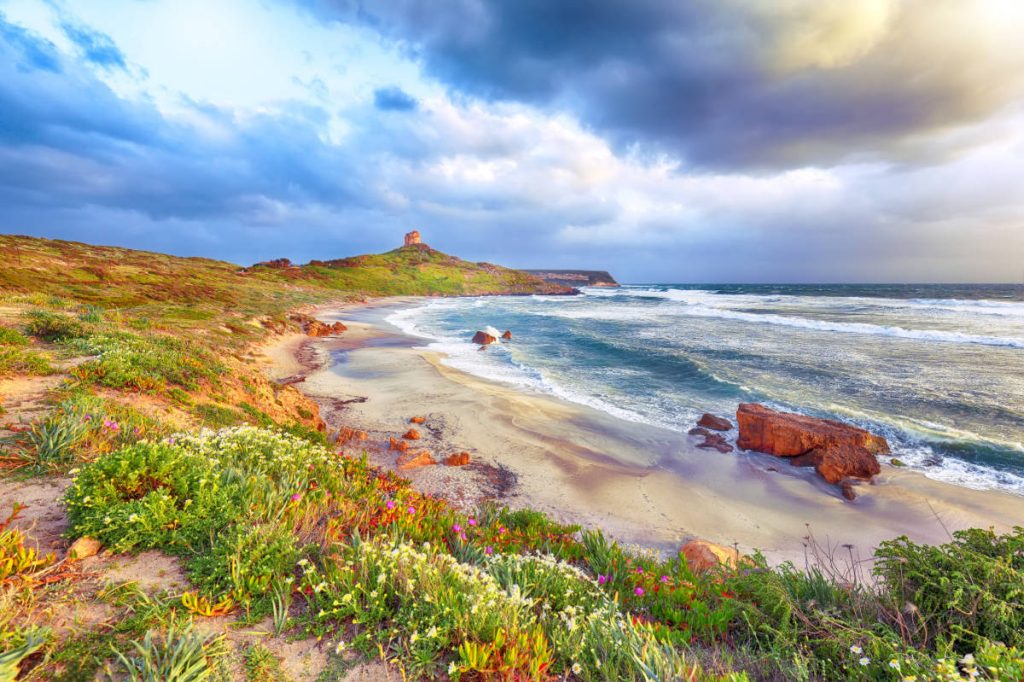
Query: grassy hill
<point x="138" y="414"/>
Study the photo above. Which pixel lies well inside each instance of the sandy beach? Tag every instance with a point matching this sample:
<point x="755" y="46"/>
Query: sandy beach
<point x="641" y="484"/>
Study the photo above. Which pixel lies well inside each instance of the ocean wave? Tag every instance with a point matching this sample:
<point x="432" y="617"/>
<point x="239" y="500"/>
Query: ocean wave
<point x="701" y="310"/>
<point x="714" y="298"/>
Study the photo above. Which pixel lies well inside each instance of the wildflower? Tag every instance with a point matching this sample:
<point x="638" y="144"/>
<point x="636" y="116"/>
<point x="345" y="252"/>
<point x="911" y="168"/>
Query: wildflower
<point x="894" y="664"/>
<point x="341" y="647"/>
<point x="488" y="550"/>
<point x="457" y="528"/>
<point x="501" y="530"/>
<point x="411" y="509"/>
<point x="864" y="660"/>
<point x="910" y="678"/>
<point x="856" y="649"/>
<point x="639" y="591"/>
<point x="968" y="660"/>
<point x="296" y="497"/>
<point x="452" y="668"/>
<point x="390" y="504"/>
<point x="664" y="578"/>
<point x="472" y="522"/>
<point x="602" y="579"/>
<point x="576" y="669"/>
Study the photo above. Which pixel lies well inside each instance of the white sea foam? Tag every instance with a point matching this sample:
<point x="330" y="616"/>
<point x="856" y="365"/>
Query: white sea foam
<point x="507" y="364"/>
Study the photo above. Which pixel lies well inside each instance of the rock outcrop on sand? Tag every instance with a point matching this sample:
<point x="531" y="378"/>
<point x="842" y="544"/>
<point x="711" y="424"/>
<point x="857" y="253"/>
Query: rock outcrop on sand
<point x="483" y="338"/>
<point x="458" y="459"/>
<point x="787" y="435"/>
<point x="710" y="421"/>
<point x="314" y="327"/>
<point x="411" y="434"/>
<point x="839" y="452"/>
<point x="414" y="459"/>
<point x="714" y="441"/>
<point x="702" y="555"/>
<point x="507" y="336"/>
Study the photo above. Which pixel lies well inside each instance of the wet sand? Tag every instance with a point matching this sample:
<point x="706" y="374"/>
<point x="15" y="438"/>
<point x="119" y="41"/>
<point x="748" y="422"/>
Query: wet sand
<point x="643" y="485"/>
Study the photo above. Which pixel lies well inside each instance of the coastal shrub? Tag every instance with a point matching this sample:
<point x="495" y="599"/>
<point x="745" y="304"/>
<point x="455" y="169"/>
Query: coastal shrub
<point x="177" y="656"/>
<point x="84" y="426"/>
<point x="15" y="360"/>
<point x="51" y="326"/>
<point x="12" y="337"/>
<point x="145" y="363"/>
<point x="960" y="593"/>
<point x="217" y="416"/>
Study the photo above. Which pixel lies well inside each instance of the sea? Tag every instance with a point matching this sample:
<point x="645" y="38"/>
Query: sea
<point x="937" y="369"/>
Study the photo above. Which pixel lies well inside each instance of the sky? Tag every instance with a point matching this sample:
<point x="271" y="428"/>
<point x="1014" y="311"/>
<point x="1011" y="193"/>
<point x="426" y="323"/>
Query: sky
<point x="664" y="141"/>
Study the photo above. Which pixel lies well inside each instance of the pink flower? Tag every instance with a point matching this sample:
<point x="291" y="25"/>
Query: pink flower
<point x="602" y="579"/>
<point x="664" y="578"/>
<point x="296" y="497"/>
<point x="639" y="591"/>
<point x="463" y="536"/>
<point x="391" y="504"/>
<point x="501" y="530"/>
<point x="411" y="509"/>
<point x="472" y="522"/>
<point x="488" y="550"/>
<point x="639" y="570"/>
<point x="457" y="528"/>
<point x="111" y="425"/>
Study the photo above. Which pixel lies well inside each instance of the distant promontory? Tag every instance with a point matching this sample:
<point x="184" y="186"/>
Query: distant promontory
<point x="576" y="278"/>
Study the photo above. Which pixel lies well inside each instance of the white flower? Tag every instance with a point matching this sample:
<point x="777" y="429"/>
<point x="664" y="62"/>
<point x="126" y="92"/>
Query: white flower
<point x="856" y="649"/>
<point x="576" y="669"/>
<point x="452" y="668"/>
<point x="894" y="664"/>
<point x="864" y="660"/>
<point x="341" y="647"/>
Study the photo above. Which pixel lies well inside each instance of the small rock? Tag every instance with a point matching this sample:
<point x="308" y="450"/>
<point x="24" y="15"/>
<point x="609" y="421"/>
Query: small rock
<point x="417" y="420"/>
<point x="715" y="442"/>
<point x="411" y="434"/>
<point x="414" y="459"/>
<point x="848" y="491"/>
<point x="84" y="547"/>
<point x="897" y="462"/>
<point x="702" y="555"/>
<point x="698" y="431"/>
<point x="483" y="338"/>
<point x="712" y="422"/>
<point x="507" y="335"/>
<point x="459" y="459"/>
<point x="396" y="444"/>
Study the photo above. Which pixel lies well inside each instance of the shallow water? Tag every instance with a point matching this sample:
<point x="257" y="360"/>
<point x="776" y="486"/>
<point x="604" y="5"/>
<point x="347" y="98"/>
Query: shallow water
<point x="937" y="369"/>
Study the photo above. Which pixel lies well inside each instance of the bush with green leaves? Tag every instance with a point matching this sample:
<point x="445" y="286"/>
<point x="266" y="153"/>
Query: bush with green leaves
<point x="145" y="363"/>
<point x="177" y="656"/>
<point x="963" y="592"/>
<point x="51" y="326"/>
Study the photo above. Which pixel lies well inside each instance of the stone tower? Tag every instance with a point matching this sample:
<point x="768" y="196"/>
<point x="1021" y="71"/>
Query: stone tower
<point x="412" y="238"/>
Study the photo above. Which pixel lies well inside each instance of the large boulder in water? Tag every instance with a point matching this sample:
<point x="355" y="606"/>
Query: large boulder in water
<point x="710" y="421"/>
<point x="483" y="338"/>
<point x="836" y="463"/>
<point x="787" y="435"/>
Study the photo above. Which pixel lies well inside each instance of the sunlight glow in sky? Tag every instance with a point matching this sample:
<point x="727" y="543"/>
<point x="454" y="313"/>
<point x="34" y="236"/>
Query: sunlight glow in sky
<point x="801" y="140"/>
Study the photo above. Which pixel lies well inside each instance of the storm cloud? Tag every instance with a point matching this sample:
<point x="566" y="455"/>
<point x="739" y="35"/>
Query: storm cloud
<point x="725" y="83"/>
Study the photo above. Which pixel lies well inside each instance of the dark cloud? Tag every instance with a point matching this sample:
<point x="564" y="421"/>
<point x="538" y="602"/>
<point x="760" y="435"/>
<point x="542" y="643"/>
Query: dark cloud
<point x="720" y="83"/>
<point x="393" y="98"/>
<point x="95" y="47"/>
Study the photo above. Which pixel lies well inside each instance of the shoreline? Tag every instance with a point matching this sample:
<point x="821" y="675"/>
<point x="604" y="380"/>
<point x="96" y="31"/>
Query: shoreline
<point x="642" y="485"/>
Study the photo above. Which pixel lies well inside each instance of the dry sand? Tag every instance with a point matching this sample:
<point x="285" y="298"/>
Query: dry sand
<point x="643" y="485"/>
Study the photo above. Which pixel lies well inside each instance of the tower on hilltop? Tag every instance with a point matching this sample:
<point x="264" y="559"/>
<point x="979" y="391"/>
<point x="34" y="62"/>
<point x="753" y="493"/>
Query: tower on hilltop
<point x="412" y="238"/>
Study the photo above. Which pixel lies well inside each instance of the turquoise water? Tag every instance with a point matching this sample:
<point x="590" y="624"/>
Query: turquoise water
<point x="937" y="369"/>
